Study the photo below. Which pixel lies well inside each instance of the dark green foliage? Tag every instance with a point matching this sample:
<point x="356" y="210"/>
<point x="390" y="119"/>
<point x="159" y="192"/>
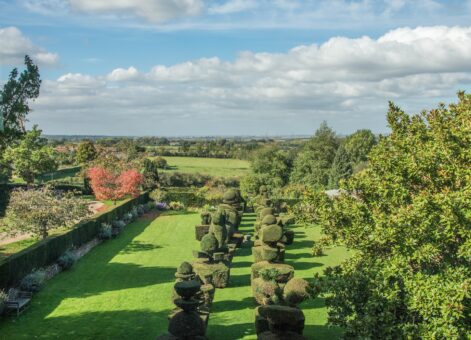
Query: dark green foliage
<point x="185" y="268"/>
<point x="86" y="152"/>
<point x="151" y="174"/>
<point x="407" y="215"/>
<point x="161" y="163"/>
<point x="296" y="291"/>
<point x="341" y="167"/>
<point x="358" y="145"/>
<point x="209" y="243"/>
<point x="47" y="251"/>
<point x="313" y="164"/>
<point x="33" y="282"/>
<point x="14" y="101"/>
<point x="67" y="260"/>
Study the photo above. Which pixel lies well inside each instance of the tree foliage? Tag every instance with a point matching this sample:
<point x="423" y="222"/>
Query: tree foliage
<point x="341" y="167"/>
<point x="31" y="157"/>
<point x="408" y="216"/>
<point x="312" y="166"/>
<point x="150" y="173"/>
<point x="38" y="211"/>
<point x="86" y="152"/>
<point x="109" y="185"/>
<point x="14" y="101"/>
<point x="359" y="144"/>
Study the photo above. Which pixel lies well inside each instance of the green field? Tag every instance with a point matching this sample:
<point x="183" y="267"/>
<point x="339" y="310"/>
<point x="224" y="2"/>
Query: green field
<point x="122" y="289"/>
<point x="208" y="166"/>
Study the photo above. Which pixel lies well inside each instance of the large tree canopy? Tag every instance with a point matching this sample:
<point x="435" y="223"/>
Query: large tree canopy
<point x="408" y="216"/>
<point x="14" y="101"/>
<point x="312" y="166"/>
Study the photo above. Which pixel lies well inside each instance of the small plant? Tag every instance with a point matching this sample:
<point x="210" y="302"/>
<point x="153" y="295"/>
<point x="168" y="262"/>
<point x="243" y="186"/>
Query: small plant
<point x="33" y="282"/>
<point x="325" y="241"/>
<point x="106" y="231"/>
<point x="151" y="205"/>
<point x="127" y="218"/>
<point x="134" y="213"/>
<point x="140" y="210"/>
<point x="146" y="207"/>
<point x="67" y="260"/>
<point x="176" y="206"/>
<point x="161" y="206"/>
<point x="317" y="249"/>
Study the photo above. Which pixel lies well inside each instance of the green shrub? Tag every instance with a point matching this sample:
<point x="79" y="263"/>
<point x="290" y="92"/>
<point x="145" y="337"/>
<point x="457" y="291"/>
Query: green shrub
<point x="3" y="298"/>
<point x="106" y="231"/>
<point x="317" y="249"/>
<point x="67" y="260"/>
<point x="176" y="206"/>
<point x="33" y="282"/>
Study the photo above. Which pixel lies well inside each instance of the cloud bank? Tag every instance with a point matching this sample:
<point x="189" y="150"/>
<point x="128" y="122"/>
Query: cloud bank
<point x="14" y="46"/>
<point x="346" y="81"/>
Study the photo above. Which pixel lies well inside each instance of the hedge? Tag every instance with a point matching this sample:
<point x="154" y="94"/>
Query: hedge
<point x="47" y="251"/>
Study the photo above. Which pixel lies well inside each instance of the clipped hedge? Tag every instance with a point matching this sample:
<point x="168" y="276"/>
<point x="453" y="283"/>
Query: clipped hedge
<point x="47" y="251"/>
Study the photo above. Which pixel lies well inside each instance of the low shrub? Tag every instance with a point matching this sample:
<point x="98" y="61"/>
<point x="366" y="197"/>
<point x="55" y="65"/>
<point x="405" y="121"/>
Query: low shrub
<point x="161" y="206"/>
<point x="151" y="205"/>
<point x="34" y="281"/>
<point x="317" y="249"/>
<point x="106" y="231"/>
<point x="176" y="206"/>
<point x="140" y="210"/>
<point x="67" y="260"/>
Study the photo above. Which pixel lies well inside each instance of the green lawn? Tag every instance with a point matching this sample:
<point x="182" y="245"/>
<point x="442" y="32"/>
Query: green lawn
<point x="122" y="289"/>
<point x="208" y="166"/>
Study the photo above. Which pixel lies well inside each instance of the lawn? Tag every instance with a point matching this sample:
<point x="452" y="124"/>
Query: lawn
<point x="122" y="289"/>
<point x="208" y="166"/>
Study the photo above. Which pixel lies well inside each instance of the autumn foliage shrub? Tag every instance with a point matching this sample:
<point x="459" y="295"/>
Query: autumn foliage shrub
<point x="108" y="185"/>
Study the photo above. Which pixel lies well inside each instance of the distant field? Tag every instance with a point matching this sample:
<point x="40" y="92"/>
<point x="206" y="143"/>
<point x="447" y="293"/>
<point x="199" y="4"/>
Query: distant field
<point x="208" y="166"/>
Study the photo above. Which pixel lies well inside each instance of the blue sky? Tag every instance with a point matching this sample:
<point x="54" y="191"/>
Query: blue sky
<point x="235" y="67"/>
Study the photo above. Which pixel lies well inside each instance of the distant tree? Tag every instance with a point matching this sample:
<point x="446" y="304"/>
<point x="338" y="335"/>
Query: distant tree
<point x="31" y="157"/>
<point x="109" y="185"/>
<point x="14" y="101"/>
<point x="407" y="218"/>
<point x="359" y="144"/>
<point x="38" y="211"/>
<point x="273" y="162"/>
<point x="341" y="167"/>
<point x="161" y="163"/>
<point x="313" y="164"/>
<point x="151" y="173"/>
<point x="86" y="152"/>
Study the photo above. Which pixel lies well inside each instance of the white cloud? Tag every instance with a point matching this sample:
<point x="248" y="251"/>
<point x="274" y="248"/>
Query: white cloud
<point x="345" y="81"/>
<point x="121" y="74"/>
<point x="14" y="46"/>
<point x="155" y="11"/>
<point x="233" y="6"/>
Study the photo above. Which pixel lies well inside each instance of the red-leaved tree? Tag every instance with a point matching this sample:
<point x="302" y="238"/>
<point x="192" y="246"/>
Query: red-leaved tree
<point x="108" y="185"/>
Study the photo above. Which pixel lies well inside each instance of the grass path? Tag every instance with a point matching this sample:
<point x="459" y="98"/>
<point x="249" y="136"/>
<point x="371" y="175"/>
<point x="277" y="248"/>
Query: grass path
<point x="122" y="289"/>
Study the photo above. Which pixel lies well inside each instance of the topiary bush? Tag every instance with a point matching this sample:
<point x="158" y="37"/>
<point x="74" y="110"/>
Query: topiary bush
<point x="34" y="281"/>
<point x="317" y="249"/>
<point x="67" y="260"/>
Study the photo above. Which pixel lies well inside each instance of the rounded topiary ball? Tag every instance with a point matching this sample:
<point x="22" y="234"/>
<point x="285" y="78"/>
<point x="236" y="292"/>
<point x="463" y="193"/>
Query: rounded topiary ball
<point x="265" y="212"/>
<point x="230" y="196"/>
<point x="268" y="220"/>
<point x="185" y="268"/>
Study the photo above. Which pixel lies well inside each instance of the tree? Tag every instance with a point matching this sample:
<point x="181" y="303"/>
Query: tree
<point x="161" y="163"/>
<point x="86" y="152"/>
<point x="151" y="173"/>
<point x="313" y="164"/>
<point x="31" y="157"/>
<point x="38" y="211"/>
<point x="359" y="144"/>
<point x="407" y="216"/>
<point x="108" y="185"/>
<point x="274" y="163"/>
<point x="14" y="101"/>
<point x="341" y="167"/>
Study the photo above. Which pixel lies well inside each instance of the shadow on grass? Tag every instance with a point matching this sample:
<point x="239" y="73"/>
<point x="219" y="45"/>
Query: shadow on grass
<point x="223" y="330"/>
<point x="138" y="246"/>
<point x="233" y="305"/>
<point x="296" y="256"/>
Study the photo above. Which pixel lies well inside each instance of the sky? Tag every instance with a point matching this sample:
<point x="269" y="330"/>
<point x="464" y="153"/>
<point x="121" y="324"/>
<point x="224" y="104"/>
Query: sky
<point x="235" y="67"/>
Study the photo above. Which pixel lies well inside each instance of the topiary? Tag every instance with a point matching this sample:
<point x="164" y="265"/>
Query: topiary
<point x="209" y="243"/>
<point x="296" y="291"/>
<point x="185" y="268"/>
